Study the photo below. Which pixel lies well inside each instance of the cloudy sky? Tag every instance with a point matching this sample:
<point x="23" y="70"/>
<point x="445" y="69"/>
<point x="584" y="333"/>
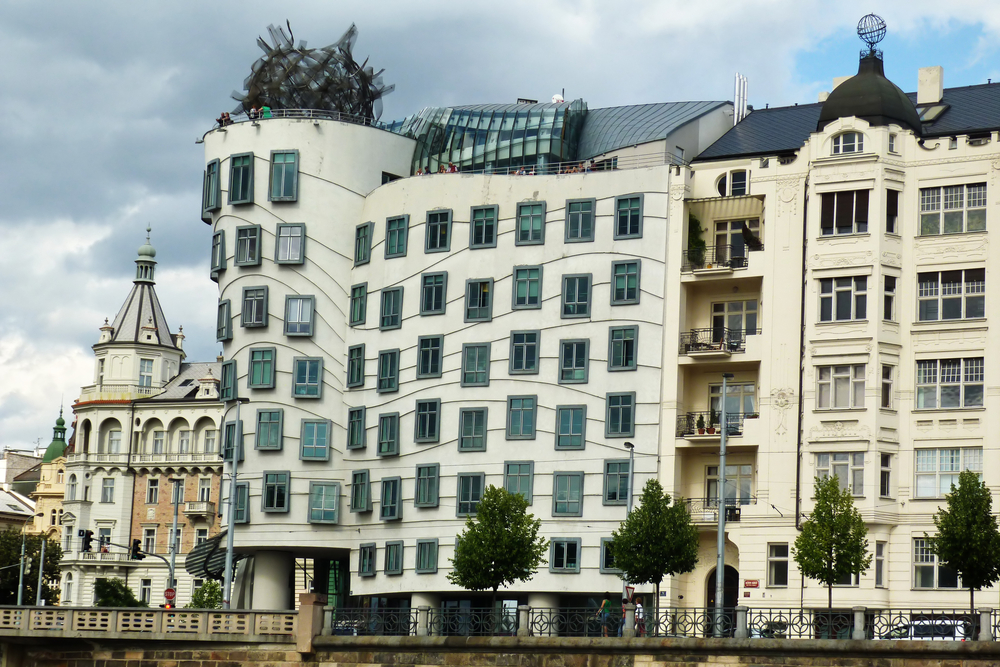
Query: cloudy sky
<point x="102" y="102"/>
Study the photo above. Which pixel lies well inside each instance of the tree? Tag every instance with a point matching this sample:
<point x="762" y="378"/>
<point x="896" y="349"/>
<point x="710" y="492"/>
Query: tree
<point x="500" y="544"/>
<point x="209" y="596"/>
<point x="656" y="539"/>
<point x="968" y="540"/>
<point x="115" y="593"/>
<point x="833" y="541"/>
<point x="10" y="559"/>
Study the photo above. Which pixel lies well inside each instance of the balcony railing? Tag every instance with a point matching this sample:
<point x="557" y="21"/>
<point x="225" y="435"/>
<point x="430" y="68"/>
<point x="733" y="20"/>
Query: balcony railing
<point x="713" y="339"/>
<point x="98" y="457"/>
<point x="122" y="391"/>
<point x="707" y="509"/>
<point x="199" y="508"/>
<point x="173" y="457"/>
<point x="716" y="257"/>
<point x="687" y="424"/>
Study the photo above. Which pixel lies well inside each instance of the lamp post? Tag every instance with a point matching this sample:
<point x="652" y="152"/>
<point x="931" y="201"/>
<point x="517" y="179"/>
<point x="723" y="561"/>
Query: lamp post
<point x="233" y="499"/>
<point x="720" y="565"/>
<point x="628" y="509"/>
<point x="173" y="533"/>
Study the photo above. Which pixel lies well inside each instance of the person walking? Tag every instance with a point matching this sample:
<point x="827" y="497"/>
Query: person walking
<point x="640" y="618"/>
<point x="604" y="613"/>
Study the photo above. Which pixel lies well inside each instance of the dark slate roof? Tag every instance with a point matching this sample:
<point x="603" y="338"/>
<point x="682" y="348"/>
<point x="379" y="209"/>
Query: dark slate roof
<point x="184" y="385"/>
<point x="972" y="108"/>
<point x="617" y="127"/>
<point x="141" y="306"/>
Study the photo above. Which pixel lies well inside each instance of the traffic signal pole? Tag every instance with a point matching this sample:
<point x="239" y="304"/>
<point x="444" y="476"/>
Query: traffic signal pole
<point x="173" y="533"/>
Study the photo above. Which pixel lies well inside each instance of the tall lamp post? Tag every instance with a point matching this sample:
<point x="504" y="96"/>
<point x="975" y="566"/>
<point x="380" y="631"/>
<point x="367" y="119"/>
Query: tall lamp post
<point x="234" y="448"/>
<point x="720" y="565"/>
<point x="173" y="533"/>
<point x="628" y="510"/>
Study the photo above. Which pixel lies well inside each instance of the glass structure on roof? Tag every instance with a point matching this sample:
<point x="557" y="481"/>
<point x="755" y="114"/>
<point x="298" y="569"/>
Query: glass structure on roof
<point x="494" y="137"/>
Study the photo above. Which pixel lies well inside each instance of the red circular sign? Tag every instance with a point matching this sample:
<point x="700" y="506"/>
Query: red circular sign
<point x="169" y="595"/>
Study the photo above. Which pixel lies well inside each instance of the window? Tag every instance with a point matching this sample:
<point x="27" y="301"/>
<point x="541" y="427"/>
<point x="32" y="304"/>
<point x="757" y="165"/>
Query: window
<point x="628" y="217"/>
<point x="227" y="381"/>
<point x="210" y="441"/>
<point x="324" y="502"/>
<point x="200" y="537"/>
<point x="230" y="433"/>
<point x="224" y="322"/>
<point x="218" y="252"/>
<point x="479" y="300"/>
<point x="356" y="366"/>
<point x="427" y="557"/>
<point x="254" y="313"/>
<point x="937" y="470"/>
<point x="738" y="485"/>
<point x="573" y="361"/>
<point x="396" y="232"/>
<point x="475" y="365"/>
<point x="840" y="387"/>
<point x="438" y="237"/>
<point x="427" y="484"/>
<point x="393" y="557"/>
<point x="888" y="299"/>
<point x="391" y="508"/>
<point x="527" y="287"/>
<point x="616" y="478"/>
<point x="470" y="492"/>
<point x="518" y="477"/>
<point x="885" y="476"/>
<point x="158" y="440"/>
<point x="567" y="494"/>
<point x="149" y="540"/>
<point x="580" y="220"/>
<point x="145" y="372"/>
<point x="891" y="210"/>
<point x="427" y="427"/>
<point x="951" y="295"/>
<point x="183" y="442"/>
<point x="108" y="490"/>
<point x="483" y="230"/>
<point x="953" y="210"/>
<point x="315" y="443"/>
<point x="472" y="430"/>
<point x="842" y="299"/>
<point x="847" y="467"/>
<point x="212" y="194"/>
<point x="392" y="308"/>
<point x="152" y="491"/>
<point x="241" y="513"/>
<point x="284" y="176"/>
<point x="289" y="245"/>
<point x="299" y="315"/>
<point x="359" y="304"/>
<point x="261" y="368"/>
<point x="269" y="428"/>
<point x="146" y="590"/>
<point x="844" y="212"/>
<point x="71" y="488"/>
<point x="530" y="224"/>
<point x="927" y="571"/>
<point x="608" y="557"/>
<point x="433" y="293"/>
<point x="248" y="246"/>
<point x="576" y="296"/>
<point x="624" y="283"/>
<point x="307" y="381"/>
<point x="621" y="348"/>
<point x="524" y="352"/>
<point x="571" y="425"/>
<point x="429" y="352"/>
<point x="356" y="432"/>
<point x="735" y="185"/>
<point x="205" y="489"/>
<point x="363" y="243"/>
<point x="886" y="401"/>
<point x="275" y="492"/>
<point x="848" y="142"/>
<point x="564" y="556"/>
<point x="388" y="371"/>
<point x="521" y="417"/>
<point x="777" y="565"/>
<point x="620" y="419"/>
<point x="361" y="497"/>
<point x="388" y="434"/>
<point x="892" y="143"/>
<point x="366" y="560"/>
<point x="950" y="383"/>
<point x="880" y="564"/>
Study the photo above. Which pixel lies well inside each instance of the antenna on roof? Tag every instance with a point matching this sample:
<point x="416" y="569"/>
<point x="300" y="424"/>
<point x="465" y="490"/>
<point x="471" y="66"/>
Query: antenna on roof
<point x="739" y="99"/>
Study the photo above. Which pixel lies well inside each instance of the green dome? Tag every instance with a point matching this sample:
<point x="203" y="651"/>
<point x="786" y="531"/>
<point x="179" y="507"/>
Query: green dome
<point x="58" y="446"/>
<point x="871" y="97"/>
<point x="146" y="249"/>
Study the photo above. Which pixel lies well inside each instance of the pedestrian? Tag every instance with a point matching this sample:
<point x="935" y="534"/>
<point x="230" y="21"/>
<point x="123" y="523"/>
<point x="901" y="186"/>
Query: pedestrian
<point x="604" y="613"/>
<point x="640" y="618"/>
<point x="621" y="623"/>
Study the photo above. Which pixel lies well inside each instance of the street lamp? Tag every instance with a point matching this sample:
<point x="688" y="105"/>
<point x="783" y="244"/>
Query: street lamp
<point x="230" y="521"/>
<point x="720" y="565"/>
<point x="173" y="534"/>
<point x="628" y="510"/>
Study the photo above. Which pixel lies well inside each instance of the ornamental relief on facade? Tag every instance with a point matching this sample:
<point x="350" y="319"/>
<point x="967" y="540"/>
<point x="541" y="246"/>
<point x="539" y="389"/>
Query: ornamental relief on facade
<point x="892" y="259"/>
<point x="840" y="430"/>
<point x="838" y="259"/>
<point x="952" y="248"/>
<point x="679" y="192"/>
<point x="781" y="400"/>
<point x="962" y="341"/>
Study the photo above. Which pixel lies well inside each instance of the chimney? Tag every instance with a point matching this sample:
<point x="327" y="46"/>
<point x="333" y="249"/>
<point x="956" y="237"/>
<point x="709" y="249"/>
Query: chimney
<point x="930" y="85"/>
<point x="837" y="80"/>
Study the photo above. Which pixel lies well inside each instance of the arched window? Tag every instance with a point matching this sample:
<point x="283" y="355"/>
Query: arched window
<point x="67" y="593"/>
<point x="53" y="520"/>
<point x="733" y="184"/>
<point x="71" y="488"/>
<point x="59" y="477"/>
<point x="848" y="142"/>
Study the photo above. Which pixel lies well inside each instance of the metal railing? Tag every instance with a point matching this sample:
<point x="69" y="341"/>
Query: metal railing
<point x="799" y="624"/>
<point x="935" y="624"/>
<point x="713" y="339"/>
<point x="691" y="622"/>
<point x="363" y="622"/>
<point x="472" y="622"/>
<point x="572" y="622"/>
<point x="715" y="257"/>
<point x="707" y="509"/>
<point x="308" y="114"/>
<point x="687" y="424"/>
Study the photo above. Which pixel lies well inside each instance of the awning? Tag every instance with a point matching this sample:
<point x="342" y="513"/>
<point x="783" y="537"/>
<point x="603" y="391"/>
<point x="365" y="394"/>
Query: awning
<point x="208" y="559"/>
<point x="726" y="208"/>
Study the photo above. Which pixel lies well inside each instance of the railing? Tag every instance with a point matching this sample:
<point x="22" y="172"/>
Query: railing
<point x="391" y="622"/>
<point x="707" y="509"/>
<point x="713" y="339"/>
<point x="691" y="622"/>
<point x="472" y="622"/>
<point x="572" y="622"/>
<point x="715" y="257"/>
<point x="99" y="457"/>
<point x="123" y="390"/>
<point x="941" y="624"/>
<point x="173" y="457"/>
<point x="114" y="557"/>
<point x="200" y="507"/>
<point x="687" y="424"/>
<point x="311" y="114"/>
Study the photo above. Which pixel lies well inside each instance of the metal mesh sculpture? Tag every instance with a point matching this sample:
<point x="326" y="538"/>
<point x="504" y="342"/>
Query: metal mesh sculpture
<point x="327" y="79"/>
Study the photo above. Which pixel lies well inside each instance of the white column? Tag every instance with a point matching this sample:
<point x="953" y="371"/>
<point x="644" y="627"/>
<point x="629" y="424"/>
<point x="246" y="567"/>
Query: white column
<point x="543" y="600"/>
<point x="272" y="573"/>
<point x="432" y="600"/>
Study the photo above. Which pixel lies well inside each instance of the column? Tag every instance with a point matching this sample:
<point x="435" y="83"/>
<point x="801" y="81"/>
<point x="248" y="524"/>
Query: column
<point x="272" y="580"/>
<point x="428" y="606"/>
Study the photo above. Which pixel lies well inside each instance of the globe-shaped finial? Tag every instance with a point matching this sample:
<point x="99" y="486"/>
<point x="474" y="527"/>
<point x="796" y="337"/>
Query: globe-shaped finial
<point x="871" y="30"/>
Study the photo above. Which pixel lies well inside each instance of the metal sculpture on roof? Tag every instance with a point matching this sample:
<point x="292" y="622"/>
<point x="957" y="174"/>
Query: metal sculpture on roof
<point x="328" y="78"/>
<point x="871" y="30"/>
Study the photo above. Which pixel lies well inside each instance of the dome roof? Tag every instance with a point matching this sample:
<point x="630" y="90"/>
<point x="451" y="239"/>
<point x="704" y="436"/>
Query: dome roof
<point x="147" y="250"/>
<point x="58" y="445"/>
<point x="871" y="97"/>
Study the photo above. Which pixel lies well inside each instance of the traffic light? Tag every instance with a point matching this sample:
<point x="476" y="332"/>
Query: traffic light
<point x="88" y="540"/>
<point x="136" y="553"/>
<point x="166" y="606"/>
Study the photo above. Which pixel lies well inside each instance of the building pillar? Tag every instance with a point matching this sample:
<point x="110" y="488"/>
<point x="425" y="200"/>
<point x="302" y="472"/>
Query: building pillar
<point x="629" y="630"/>
<point x="426" y="605"/>
<point x="272" y="574"/>
<point x="985" y="626"/>
<point x="859" y="623"/>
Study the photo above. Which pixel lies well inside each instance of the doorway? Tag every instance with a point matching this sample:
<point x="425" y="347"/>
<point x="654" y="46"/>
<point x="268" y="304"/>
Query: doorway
<point x="730" y="588"/>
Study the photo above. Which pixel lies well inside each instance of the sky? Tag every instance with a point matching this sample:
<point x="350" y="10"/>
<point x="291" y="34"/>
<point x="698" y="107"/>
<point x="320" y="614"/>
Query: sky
<point x="102" y="103"/>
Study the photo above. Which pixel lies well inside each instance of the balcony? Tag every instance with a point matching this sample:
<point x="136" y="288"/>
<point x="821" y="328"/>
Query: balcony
<point x="712" y="343"/>
<point x="706" y="510"/>
<point x="716" y="258"/>
<point x="85" y="457"/>
<point x="199" y="508"/>
<point x="174" y="457"/>
<point x="116" y="392"/>
<point x="687" y="425"/>
<point x="103" y="557"/>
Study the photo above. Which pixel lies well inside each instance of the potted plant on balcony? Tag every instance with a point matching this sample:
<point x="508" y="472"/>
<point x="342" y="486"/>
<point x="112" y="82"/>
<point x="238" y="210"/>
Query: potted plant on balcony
<point x="713" y="419"/>
<point x="696" y="243"/>
<point x="701" y="424"/>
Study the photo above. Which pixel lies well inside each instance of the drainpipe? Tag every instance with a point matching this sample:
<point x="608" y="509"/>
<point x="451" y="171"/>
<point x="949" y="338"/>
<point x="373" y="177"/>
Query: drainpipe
<point x="802" y="361"/>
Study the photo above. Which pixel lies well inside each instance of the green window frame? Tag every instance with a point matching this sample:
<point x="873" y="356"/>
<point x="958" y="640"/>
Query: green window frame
<point x="261" y="368"/>
<point x="567" y="494"/>
<point x="254" y="311"/>
<point x="361" y="491"/>
<point x="472" y="429"/>
<point x="576" y="295"/>
<point x="580" y="220"/>
<point x="616" y="477"/>
<point x="388" y="371"/>
<point x="211" y="196"/>
<point x="438" y="231"/>
<point x="359" y="304"/>
<point x="427" y="421"/>
<point x="357" y="434"/>
<point x="391" y="501"/>
<point x="274" y="495"/>
<point x="247" y="246"/>
<point x="430" y="355"/>
<point x="427" y="485"/>
<point x="269" y="429"/>
<point x="241" y="178"/>
<point x="623" y="343"/>
<point x="524" y="352"/>
<point x="530" y="224"/>
<point x="391" y="310"/>
<point x="366" y="560"/>
<point x="356" y="366"/>
<point x="483" y="227"/>
<point x="628" y="217"/>
<point x="363" y="243"/>
<point x="475" y="365"/>
<point x="218" y="252"/>
<point x="393" y="564"/>
<point x="433" y="293"/>
<point x="397" y="231"/>
<point x="324" y="502"/>
<point x="290" y="243"/>
<point x="230" y="431"/>
<point x="314" y="441"/>
<point x="388" y="434"/>
<point x="227" y="381"/>
<point x="521" y="417"/>
<point x="299" y="315"/>
<point x="224" y="321"/>
<point x="527" y="292"/>
<point x="284" y="176"/>
<point x="519" y="477"/>
<point x="571" y="427"/>
<point x="479" y="300"/>
<point x="307" y="377"/>
<point x="564" y="555"/>
<point x="574" y="361"/>
<point x="241" y="512"/>
<point x="620" y="419"/>
<point x="470" y="492"/>
<point x="427" y="557"/>
<point x="625" y="282"/>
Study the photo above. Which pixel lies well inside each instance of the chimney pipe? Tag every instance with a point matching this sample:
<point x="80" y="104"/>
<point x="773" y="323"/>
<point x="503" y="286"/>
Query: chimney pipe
<point x="930" y="85"/>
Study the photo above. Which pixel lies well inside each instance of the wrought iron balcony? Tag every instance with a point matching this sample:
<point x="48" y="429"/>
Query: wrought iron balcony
<point x="707" y="509"/>
<point x="713" y="340"/>
<point x="687" y="424"/>
<point x="716" y="257"/>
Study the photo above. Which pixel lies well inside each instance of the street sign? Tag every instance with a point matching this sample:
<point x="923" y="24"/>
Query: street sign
<point x="169" y="595"/>
<point x="629" y="590"/>
<point x="751" y="583"/>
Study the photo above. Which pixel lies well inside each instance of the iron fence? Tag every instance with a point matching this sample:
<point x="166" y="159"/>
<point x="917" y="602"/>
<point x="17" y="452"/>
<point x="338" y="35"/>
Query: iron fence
<point x="691" y="622"/>
<point x="383" y="622"/>
<point x="687" y="423"/>
<point x="572" y="622"/>
<point x="472" y="622"/>
<point x="922" y="624"/>
<point x="799" y="623"/>
<point x="713" y="339"/>
<point x="707" y="509"/>
<point x="715" y="257"/>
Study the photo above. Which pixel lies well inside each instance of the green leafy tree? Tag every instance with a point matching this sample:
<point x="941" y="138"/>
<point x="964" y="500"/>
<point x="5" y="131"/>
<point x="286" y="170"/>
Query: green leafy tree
<point x="10" y="559"/>
<point x="115" y="593"/>
<point x="833" y="543"/>
<point x="696" y="242"/>
<point x="656" y="539"/>
<point x="500" y="544"/>
<point x="968" y="539"/>
<point x="209" y="596"/>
